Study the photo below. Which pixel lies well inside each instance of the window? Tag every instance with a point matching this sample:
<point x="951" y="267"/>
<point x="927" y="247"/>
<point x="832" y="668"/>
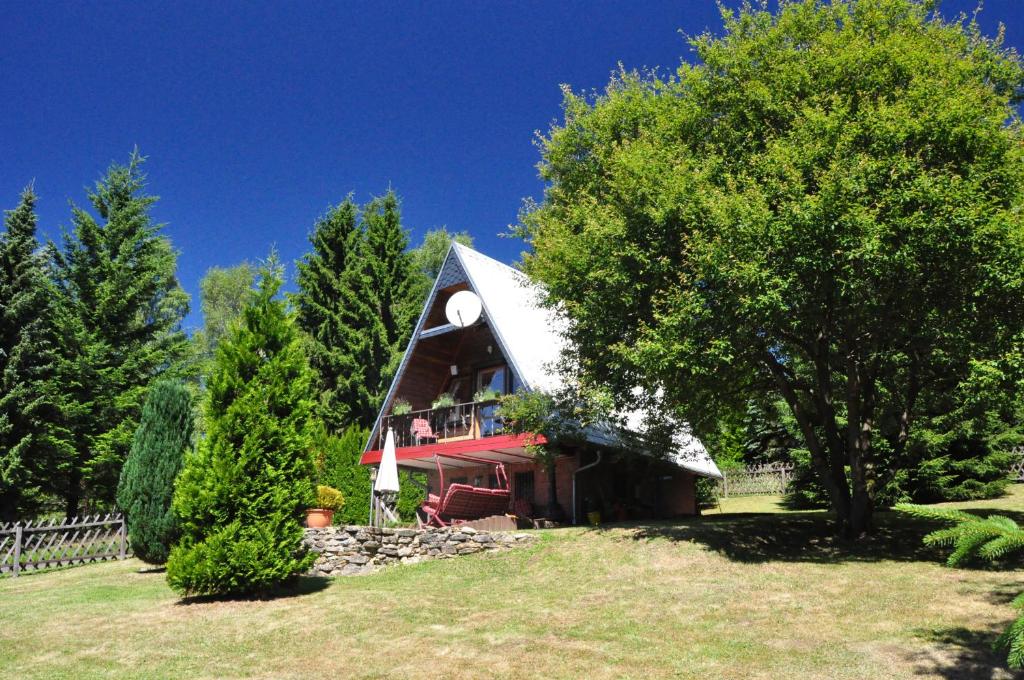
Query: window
<point x="492" y="481"/>
<point x="458" y="480"/>
<point x="492" y="378"/>
<point x="524" y="486"/>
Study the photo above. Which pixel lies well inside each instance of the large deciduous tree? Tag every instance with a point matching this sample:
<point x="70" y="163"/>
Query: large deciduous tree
<point x="428" y="257"/>
<point x="241" y="496"/>
<point x="224" y="292"/>
<point x="117" y="274"/>
<point x="34" y="441"/>
<point x="825" y="208"/>
<point x="146" y="487"/>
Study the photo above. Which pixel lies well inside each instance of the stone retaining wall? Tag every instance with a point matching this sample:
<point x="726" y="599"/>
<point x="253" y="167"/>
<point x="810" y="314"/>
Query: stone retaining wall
<point x="344" y="551"/>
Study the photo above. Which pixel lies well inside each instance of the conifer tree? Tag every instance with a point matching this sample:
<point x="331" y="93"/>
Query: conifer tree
<point x="34" y="443"/>
<point x="390" y="299"/>
<point x="147" y="479"/>
<point x="241" y="496"/>
<point x="329" y="313"/>
<point x="358" y="299"/>
<point x="118" y="276"/>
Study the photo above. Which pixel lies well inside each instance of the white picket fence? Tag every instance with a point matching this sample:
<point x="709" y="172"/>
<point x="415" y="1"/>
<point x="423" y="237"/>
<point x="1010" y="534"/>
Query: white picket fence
<point x="756" y="480"/>
<point x="31" y="546"/>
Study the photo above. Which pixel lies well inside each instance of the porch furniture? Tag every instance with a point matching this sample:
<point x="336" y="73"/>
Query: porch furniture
<point x="421" y="432"/>
<point x="461" y="502"/>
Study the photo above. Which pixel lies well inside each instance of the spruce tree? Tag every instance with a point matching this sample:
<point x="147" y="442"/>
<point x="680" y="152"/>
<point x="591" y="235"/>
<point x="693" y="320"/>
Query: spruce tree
<point x="118" y="275"/>
<point x="390" y="302"/>
<point x="241" y="496"/>
<point x="358" y="300"/>
<point x="147" y="479"/>
<point x="34" y="443"/>
<point x="328" y="311"/>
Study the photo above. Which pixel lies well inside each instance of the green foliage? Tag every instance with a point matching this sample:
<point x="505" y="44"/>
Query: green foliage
<point x="357" y="303"/>
<point x="445" y="400"/>
<point x="242" y="495"/>
<point x="819" y="210"/>
<point x="486" y="394"/>
<point x="538" y="414"/>
<point x="329" y="498"/>
<point x="991" y="539"/>
<point x="771" y="432"/>
<point x="428" y="258"/>
<point x="123" y="326"/>
<point x="330" y="312"/>
<point x="806" y="491"/>
<point x="338" y="466"/>
<point x="146" y="488"/>
<point x="224" y="292"/>
<point x="34" y="442"/>
<point x="401" y="407"/>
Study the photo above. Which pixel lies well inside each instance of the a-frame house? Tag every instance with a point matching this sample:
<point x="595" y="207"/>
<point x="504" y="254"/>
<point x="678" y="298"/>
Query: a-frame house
<point x="443" y="410"/>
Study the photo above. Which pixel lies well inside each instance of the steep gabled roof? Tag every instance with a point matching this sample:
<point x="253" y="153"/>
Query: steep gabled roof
<point x="530" y="337"/>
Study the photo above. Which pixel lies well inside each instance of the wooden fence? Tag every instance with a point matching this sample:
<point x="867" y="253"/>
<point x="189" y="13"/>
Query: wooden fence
<point x="1017" y="467"/>
<point x="31" y="546"/>
<point x="756" y="480"/>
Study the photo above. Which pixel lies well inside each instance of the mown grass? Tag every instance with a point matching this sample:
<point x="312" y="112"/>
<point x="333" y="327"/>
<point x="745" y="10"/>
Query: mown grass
<point x="753" y="592"/>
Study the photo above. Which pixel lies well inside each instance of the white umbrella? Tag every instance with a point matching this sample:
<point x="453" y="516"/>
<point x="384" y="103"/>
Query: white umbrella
<point x="387" y="474"/>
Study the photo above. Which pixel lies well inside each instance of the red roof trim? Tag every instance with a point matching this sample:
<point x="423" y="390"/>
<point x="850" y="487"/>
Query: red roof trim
<point x="505" y="441"/>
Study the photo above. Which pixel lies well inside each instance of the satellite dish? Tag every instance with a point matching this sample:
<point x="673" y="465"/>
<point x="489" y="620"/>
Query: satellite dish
<point x="463" y="308"/>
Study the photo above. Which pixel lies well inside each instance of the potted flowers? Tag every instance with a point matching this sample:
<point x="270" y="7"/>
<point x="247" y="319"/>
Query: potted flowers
<point x="328" y="500"/>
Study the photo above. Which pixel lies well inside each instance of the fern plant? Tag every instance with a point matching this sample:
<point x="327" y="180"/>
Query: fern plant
<point x="992" y="539"/>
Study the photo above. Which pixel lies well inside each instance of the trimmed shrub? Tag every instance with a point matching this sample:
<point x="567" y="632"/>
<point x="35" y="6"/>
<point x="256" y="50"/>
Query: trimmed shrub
<point x="329" y="498"/>
<point x="146" y="487"/>
<point x="242" y="496"/>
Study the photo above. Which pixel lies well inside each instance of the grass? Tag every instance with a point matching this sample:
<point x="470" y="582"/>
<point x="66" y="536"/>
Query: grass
<point x="752" y="592"/>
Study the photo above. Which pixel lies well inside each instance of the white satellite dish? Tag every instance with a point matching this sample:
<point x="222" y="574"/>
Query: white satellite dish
<point x="463" y="308"/>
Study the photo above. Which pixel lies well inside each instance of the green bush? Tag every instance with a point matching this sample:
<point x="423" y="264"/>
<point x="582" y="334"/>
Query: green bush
<point x="338" y="466"/>
<point x="806" y="491"/>
<point x="242" y="496"/>
<point x="329" y="498"/>
<point x="146" y="487"/>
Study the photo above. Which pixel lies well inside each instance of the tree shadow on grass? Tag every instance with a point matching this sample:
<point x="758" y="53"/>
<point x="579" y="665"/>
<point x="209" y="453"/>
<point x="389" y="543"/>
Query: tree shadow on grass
<point x="961" y="654"/>
<point x="800" y="537"/>
<point x="300" y="586"/>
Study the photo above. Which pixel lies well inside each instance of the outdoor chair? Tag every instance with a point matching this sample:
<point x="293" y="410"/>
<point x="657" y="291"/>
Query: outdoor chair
<point x="421" y="432"/>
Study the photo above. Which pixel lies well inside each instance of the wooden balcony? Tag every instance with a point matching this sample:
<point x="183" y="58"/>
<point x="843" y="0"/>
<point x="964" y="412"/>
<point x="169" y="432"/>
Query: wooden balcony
<point x="461" y="422"/>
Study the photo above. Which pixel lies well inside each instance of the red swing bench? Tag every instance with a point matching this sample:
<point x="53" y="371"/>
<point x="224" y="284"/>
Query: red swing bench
<point x="463" y="502"/>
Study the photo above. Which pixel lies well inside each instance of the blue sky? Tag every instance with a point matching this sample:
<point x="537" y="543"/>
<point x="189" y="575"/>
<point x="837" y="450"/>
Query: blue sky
<point x="256" y="116"/>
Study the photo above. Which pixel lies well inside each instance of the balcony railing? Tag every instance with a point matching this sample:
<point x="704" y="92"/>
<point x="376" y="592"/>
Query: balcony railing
<point x="471" y="420"/>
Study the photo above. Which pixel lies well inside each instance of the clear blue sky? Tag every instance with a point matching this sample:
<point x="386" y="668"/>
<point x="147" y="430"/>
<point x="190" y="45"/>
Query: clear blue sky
<point x="256" y="116"/>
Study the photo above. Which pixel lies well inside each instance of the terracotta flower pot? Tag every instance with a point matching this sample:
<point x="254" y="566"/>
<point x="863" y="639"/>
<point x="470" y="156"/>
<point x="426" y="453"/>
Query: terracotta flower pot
<point x="318" y="518"/>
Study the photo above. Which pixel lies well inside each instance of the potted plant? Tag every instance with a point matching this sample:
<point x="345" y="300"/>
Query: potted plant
<point x="446" y="400"/>
<point x="401" y="407"/>
<point x="486" y="394"/>
<point x="328" y="500"/>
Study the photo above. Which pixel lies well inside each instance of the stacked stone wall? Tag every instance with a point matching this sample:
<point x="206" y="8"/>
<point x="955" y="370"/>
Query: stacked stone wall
<point x="350" y="550"/>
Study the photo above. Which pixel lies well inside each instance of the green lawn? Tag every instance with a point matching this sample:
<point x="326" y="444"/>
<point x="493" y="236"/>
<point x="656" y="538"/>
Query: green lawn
<point x="752" y="592"/>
